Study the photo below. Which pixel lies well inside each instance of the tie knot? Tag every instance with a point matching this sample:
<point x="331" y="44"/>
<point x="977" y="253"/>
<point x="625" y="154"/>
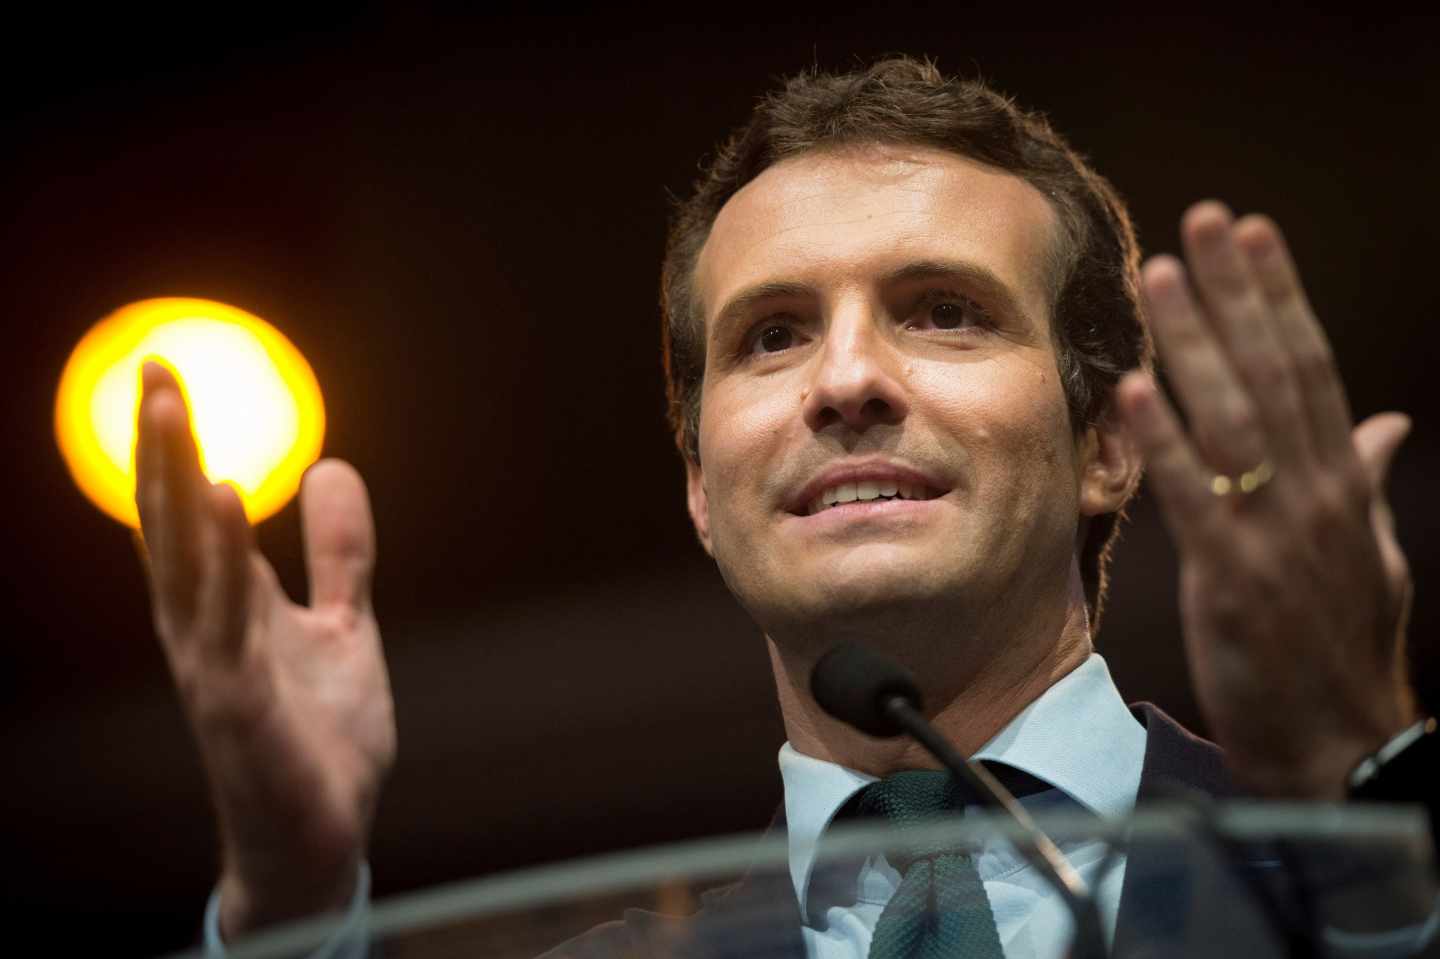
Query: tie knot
<point x="940" y="907"/>
<point x="910" y="798"/>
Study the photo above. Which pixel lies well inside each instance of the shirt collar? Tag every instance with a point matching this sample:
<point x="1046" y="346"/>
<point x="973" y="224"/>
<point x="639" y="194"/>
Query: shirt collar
<point x="1078" y="735"/>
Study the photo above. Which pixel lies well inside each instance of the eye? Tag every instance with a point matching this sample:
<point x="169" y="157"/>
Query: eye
<point x="944" y="310"/>
<point x="773" y="338"/>
<point x="947" y="316"/>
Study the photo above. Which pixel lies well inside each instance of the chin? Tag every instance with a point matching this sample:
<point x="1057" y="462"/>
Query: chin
<point x="856" y="591"/>
<point x="875" y="608"/>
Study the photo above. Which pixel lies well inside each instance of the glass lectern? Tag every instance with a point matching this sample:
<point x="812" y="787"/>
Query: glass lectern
<point x="1230" y="880"/>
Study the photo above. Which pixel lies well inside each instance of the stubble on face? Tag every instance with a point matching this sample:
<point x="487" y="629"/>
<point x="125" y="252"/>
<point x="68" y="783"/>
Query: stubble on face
<point x="980" y="414"/>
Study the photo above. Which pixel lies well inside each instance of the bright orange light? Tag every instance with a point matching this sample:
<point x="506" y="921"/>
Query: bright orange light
<point x="255" y="407"/>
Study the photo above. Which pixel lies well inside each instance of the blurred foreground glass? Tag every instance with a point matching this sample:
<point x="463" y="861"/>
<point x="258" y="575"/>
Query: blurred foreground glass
<point x="255" y="407"/>
<point x="1251" y="880"/>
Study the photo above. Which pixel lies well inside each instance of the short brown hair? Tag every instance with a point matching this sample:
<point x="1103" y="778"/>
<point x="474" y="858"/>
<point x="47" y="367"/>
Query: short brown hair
<point x="1098" y="328"/>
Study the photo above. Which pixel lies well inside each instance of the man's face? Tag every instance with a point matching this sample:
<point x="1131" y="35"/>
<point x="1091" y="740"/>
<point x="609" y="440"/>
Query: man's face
<point x="883" y="432"/>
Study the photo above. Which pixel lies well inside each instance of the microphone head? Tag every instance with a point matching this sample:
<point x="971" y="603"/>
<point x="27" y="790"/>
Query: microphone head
<point x="852" y="683"/>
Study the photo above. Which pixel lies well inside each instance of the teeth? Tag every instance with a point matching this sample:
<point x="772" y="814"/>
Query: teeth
<point x="864" y="491"/>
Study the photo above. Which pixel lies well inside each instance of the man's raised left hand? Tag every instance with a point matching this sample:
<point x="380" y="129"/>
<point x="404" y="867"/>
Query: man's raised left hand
<point x="1294" y="592"/>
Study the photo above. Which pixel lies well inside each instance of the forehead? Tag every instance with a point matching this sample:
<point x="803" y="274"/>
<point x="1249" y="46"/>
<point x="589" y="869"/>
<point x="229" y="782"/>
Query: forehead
<point x="831" y="218"/>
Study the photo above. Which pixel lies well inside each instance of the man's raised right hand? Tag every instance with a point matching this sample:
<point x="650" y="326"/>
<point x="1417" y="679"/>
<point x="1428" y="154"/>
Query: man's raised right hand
<point x="290" y="704"/>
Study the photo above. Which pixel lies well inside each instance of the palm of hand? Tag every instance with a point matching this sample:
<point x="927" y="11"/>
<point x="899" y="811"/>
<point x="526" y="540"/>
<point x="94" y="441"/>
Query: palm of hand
<point x="291" y="705"/>
<point x="303" y="728"/>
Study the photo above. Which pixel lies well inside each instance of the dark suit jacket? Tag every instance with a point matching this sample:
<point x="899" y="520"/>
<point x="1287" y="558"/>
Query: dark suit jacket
<point x="758" y="917"/>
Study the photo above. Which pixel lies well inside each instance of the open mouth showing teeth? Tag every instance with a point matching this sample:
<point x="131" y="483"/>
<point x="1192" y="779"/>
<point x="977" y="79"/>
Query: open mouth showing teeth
<point x="865" y="492"/>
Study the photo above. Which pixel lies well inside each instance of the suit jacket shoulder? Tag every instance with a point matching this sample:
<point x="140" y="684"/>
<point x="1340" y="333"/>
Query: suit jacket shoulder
<point x="1178" y="760"/>
<point x="757" y="916"/>
<point x="1160" y="892"/>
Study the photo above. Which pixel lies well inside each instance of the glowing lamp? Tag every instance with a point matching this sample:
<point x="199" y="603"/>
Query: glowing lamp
<point x="255" y="408"/>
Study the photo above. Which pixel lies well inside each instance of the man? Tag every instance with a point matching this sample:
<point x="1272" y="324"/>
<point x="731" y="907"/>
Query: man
<point x="908" y="376"/>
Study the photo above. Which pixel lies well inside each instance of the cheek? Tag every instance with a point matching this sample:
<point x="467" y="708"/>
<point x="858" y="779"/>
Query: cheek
<point x="741" y="436"/>
<point x="1011" y="419"/>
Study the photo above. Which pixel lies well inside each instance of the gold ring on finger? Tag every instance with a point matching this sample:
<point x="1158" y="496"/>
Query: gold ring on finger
<point x="1244" y="484"/>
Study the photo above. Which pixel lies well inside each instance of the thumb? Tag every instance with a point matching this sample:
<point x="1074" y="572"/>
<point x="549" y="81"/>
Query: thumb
<point x="1375" y="441"/>
<point x="339" y="535"/>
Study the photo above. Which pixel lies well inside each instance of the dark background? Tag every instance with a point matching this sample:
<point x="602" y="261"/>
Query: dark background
<point x="459" y="220"/>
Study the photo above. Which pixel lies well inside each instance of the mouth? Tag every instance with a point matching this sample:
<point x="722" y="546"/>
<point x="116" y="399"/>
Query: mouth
<point x="864" y="485"/>
<point x="868" y="491"/>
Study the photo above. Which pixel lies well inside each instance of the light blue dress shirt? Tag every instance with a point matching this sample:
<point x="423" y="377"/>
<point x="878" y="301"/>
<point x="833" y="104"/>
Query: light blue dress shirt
<point x="1079" y="737"/>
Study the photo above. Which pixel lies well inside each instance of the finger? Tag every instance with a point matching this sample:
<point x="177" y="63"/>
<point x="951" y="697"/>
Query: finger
<point x="1176" y="475"/>
<point x="339" y="535"/>
<point x="1322" y="392"/>
<point x="227" y="590"/>
<point x="1220" y="410"/>
<point x="168" y="494"/>
<point x="1240" y="314"/>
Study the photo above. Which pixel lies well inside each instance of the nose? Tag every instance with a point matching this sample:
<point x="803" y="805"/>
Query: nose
<point x="857" y="378"/>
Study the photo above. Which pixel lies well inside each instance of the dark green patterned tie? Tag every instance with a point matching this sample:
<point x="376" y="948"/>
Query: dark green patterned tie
<point x="940" y="908"/>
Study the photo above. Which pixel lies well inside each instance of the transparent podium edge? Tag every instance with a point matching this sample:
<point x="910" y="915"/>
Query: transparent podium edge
<point x="729" y="857"/>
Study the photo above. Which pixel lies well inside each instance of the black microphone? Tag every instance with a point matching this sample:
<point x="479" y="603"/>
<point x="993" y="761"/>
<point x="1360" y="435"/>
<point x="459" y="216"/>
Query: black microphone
<point x="855" y="685"/>
<point x="879" y="697"/>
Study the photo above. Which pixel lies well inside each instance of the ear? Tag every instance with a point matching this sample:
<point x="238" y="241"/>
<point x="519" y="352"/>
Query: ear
<point x="1109" y="464"/>
<point x="698" y="502"/>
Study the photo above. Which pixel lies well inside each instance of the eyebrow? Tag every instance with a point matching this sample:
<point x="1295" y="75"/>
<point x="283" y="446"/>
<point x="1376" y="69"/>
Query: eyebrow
<point x="980" y="278"/>
<point x="742" y="302"/>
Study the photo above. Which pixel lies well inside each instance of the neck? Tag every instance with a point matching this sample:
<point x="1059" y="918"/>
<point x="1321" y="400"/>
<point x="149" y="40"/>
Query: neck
<point x="968" y="698"/>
